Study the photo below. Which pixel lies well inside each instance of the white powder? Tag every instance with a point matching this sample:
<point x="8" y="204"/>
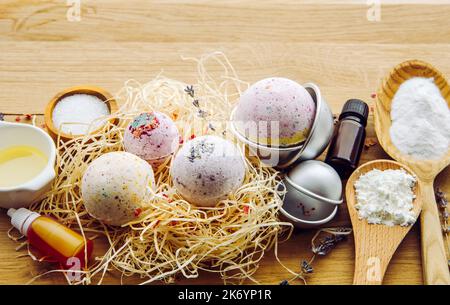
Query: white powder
<point x="420" y="119"/>
<point x="386" y="197"/>
<point x="82" y="109"/>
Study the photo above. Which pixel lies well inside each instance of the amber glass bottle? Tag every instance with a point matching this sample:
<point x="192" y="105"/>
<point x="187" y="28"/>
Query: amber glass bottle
<point x="348" y="139"/>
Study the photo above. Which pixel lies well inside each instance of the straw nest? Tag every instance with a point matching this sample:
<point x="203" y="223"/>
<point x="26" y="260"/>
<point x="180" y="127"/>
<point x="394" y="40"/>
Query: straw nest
<point x="173" y="238"/>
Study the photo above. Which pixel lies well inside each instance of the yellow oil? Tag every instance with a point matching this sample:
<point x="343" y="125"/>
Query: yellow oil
<point x="20" y="164"/>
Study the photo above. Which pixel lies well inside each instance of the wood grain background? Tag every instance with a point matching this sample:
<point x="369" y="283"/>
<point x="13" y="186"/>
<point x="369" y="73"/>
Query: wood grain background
<point x="331" y="43"/>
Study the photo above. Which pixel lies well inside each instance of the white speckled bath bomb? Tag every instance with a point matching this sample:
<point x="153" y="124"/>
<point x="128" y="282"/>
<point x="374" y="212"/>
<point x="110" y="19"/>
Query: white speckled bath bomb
<point x="152" y="136"/>
<point x="279" y="111"/>
<point x="116" y="186"/>
<point x="207" y="169"/>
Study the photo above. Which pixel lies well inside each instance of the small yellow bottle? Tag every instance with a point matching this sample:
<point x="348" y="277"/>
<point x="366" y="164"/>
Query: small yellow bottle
<point x="53" y="240"/>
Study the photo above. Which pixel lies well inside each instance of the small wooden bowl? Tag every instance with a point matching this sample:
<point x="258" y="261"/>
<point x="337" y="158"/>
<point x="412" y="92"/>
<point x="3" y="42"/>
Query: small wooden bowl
<point x="91" y="90"/>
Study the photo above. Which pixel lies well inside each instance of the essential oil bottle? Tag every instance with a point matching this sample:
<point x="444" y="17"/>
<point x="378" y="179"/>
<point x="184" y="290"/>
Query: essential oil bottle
<point x="348" y="139"/>
<point x="51" y="239"/>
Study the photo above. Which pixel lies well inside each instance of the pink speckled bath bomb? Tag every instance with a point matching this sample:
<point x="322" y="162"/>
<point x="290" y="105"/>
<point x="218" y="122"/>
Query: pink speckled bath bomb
<point x="152" y="136"/>
<point x="275" y="111"/>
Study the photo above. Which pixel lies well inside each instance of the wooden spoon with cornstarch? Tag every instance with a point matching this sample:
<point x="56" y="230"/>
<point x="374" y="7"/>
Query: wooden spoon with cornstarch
<point x="375" y="244"/>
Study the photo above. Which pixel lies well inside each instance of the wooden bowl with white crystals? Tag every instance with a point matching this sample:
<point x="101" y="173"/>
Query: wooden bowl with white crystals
<point x="375" y="244"/>
<point x="434" y="259"/>
<point x="54" y="132"/>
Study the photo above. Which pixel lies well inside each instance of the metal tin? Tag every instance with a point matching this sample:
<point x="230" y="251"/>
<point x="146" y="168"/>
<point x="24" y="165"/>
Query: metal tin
<point x="270" y="156"/>
<point x="323" y="127"/>
<point x="316" y="142"/>
<point x="313" y="194"/>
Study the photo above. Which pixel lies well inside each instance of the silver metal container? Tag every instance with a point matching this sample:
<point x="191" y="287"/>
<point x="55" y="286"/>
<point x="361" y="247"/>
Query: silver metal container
<point x="322" y="129"/>
<point x="313" y="194"/>
<point x="271" y="156"/>
<point x="316" y="142"/>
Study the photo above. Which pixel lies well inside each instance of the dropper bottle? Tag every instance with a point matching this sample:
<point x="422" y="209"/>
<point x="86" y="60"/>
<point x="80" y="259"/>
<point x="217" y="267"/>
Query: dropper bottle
<point x="51" y="239"/>
<point x="348" y="139"/>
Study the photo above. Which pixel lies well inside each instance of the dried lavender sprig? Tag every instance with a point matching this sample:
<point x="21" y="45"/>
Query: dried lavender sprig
<point x="306" y="267"/>
<point x="190" y="91"/>
<point x="326" y="244"/>
<point x="441" y="199"/>
<point x="202" y="113"/>
<point x="329" y="242"/>
<point x="442" y="203"/>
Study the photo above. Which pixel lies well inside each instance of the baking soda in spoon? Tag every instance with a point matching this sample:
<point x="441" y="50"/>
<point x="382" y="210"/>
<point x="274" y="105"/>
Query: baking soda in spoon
<point x="420" y="120"/>
<point x="74" y="114"/>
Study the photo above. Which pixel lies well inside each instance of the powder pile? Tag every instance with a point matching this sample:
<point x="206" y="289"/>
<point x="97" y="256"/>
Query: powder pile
<point x="386" y="197"/>
<point x="420" y="120"/>
<point x="74" y="114"/>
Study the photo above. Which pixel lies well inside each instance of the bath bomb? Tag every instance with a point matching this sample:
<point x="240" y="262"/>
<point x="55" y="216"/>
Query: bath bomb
<point x="116" y="186"/>
<point x="207" y="169"/>
<point x="275" y="111"/>
<point x="152" y="136"/>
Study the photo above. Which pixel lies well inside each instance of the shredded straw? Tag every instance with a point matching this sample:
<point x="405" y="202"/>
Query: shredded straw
<point x="172" y="238"/>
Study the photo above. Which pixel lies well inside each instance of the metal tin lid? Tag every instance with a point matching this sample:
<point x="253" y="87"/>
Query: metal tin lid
<point x="317" y="179"/>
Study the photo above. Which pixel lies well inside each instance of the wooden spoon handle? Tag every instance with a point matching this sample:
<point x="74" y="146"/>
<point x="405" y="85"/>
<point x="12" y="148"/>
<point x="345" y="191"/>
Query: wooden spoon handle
<point x="372" y="256"/>
<point x="434" y="258"/>
<point x="369" y="270"/>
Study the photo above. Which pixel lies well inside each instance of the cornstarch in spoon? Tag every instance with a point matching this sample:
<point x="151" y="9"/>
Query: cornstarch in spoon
<point x="420" y="120"/>
<point x="386" y="197"/>
<point x="76" y="113"/>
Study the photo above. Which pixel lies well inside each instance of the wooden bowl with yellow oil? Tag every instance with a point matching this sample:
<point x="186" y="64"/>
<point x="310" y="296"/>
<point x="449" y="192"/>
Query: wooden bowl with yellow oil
<point x="105" y="96"/>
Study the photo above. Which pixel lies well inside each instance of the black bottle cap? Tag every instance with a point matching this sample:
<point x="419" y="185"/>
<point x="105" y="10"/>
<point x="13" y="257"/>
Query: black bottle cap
<point x="355" y="107"/>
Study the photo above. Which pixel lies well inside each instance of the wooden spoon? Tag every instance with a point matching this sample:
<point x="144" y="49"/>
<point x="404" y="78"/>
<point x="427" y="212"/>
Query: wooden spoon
<point x="434" y="260"/>
<point x="374" y="244"/>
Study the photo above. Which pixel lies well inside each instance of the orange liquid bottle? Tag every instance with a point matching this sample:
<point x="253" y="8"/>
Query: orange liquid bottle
<point x="51" y="239"/>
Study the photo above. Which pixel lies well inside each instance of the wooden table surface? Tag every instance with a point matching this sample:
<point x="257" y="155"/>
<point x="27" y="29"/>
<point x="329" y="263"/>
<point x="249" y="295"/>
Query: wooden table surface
<point x="331" y="43"/>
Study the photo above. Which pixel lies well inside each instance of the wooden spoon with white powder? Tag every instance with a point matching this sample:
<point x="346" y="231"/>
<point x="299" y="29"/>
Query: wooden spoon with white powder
<point x="434" y="259"/>
<point x="377" y="232"/>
